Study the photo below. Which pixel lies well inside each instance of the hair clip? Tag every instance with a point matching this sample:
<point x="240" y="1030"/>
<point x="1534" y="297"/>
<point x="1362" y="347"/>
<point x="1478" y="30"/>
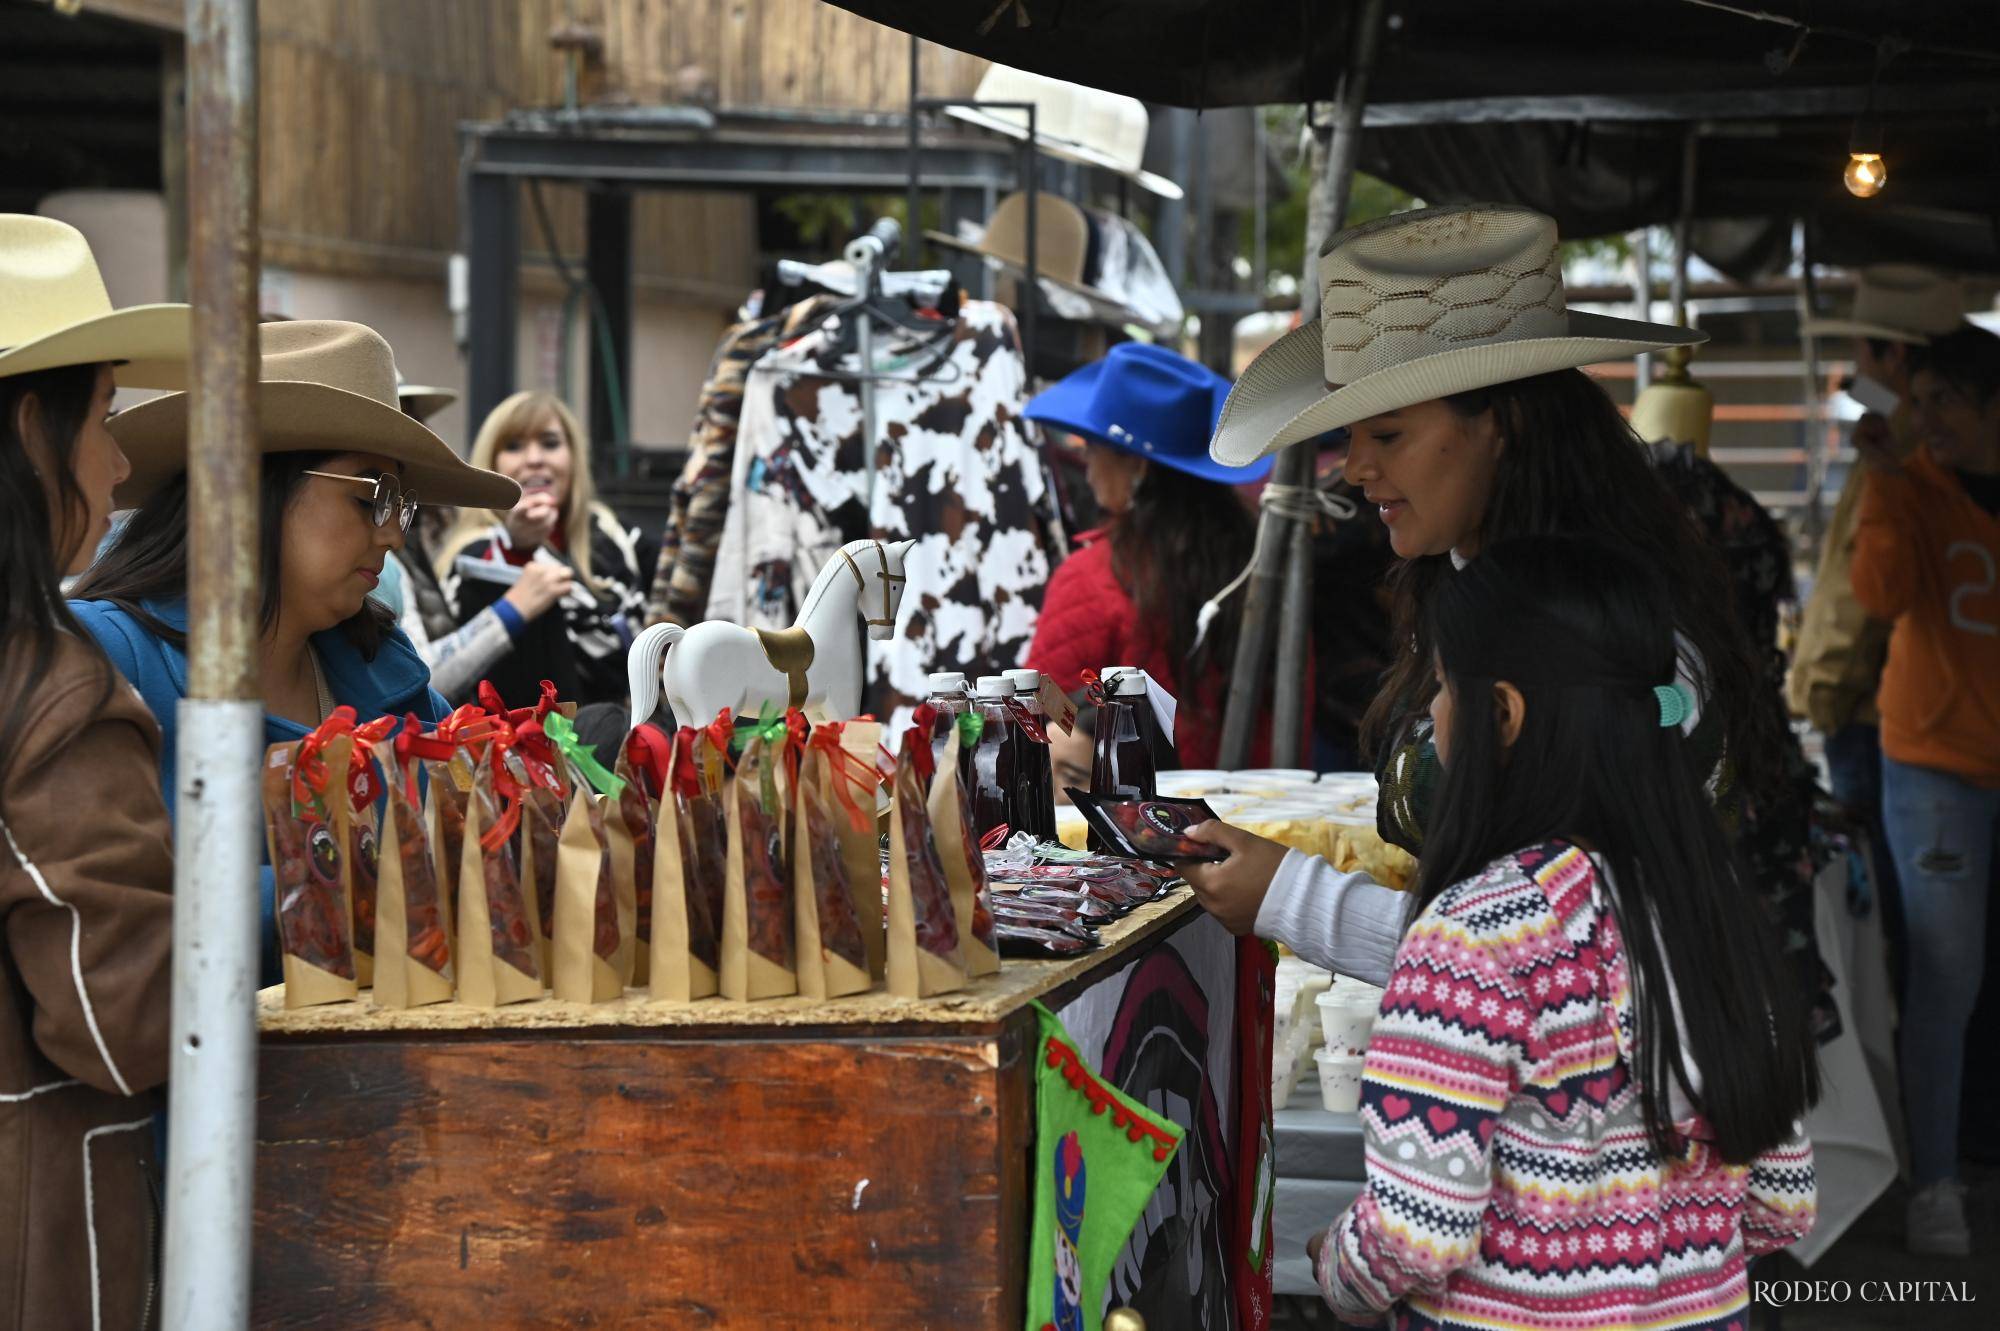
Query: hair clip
<point x="1674" y="705"/>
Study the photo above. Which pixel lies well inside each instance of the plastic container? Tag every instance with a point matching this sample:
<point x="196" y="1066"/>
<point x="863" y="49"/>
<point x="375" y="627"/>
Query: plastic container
<point x="1032" y="762"/>
<point x="991" y="783"/>
<point x="1347" y="1019"/>
<point x="947" y="698"/>
<point x="1339" y="1080"/>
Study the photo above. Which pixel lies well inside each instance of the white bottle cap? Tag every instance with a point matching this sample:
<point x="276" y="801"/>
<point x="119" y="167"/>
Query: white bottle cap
<point x="1131" y="681"/>
<point x="949" y="681"/>
<point x="1025" y="681"/>
<point x="995" y="686"/>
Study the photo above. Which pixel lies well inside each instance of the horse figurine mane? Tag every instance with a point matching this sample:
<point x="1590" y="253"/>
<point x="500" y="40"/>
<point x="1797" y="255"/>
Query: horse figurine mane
<point x="819" y="660"/>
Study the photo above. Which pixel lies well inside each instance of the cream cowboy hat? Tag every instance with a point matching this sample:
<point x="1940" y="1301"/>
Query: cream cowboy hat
<point x="1897" y="302"/>
<point x="1419" y="306"/>
<point x="54" y="311"/>
<point x="1062" y="252"/>
<point x="424" y="401"/>
<point x="1072" y="122"/>
<point x="325" y="385"/>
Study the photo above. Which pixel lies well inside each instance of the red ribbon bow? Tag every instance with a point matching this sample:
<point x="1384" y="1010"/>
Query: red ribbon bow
<point x="1093" y="688"/>
<point x="412" y="743"/>
<point x="848" y="772"/>
<point x="363" y="787"/>
<point x="721" y="733"/>
<point x="538" y="755"/>
<point x="505" y="787"/>
<point x="917" y="742"/>
<point x="684" y="775"/>
<point x="309" y="774"/>
<point x="650" y="752"/>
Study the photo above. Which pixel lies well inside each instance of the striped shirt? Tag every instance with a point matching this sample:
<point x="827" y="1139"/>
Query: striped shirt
<point x="1511" y="1183"/>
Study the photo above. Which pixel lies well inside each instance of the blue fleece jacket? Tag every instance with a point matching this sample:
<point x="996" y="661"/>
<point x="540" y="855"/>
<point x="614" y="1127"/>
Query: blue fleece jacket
<point x="396" y="682"/>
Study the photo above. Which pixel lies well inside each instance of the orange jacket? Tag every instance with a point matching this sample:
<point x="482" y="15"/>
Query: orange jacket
<point x="1927" y="557"/>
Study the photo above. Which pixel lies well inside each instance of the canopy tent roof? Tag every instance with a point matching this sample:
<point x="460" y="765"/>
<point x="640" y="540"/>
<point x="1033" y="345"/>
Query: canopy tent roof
<point x="1580" y="107"/>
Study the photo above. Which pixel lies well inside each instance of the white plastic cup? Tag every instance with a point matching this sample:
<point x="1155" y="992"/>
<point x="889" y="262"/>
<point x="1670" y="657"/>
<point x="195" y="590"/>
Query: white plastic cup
<point x="1347" y="1021"/>
<point x="1339" y="1080"/>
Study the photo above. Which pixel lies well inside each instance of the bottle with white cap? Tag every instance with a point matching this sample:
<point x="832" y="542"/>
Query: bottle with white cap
<point x="991" y="780"/>
<point x="1034" y="762"/>
<point x="947" y="698"/>
<point x="1123" y="765"/>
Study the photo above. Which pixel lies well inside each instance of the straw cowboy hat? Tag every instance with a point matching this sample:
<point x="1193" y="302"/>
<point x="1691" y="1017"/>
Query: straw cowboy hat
<point x="325" y="385"/>
<point x="1072" y="122"/>
<point x="1062" y="253"/>
<point x="1419" y="306"/>
<point x="54" y="311"/>
<point x="1897" y="302"/>
<point x="424" y="401"/>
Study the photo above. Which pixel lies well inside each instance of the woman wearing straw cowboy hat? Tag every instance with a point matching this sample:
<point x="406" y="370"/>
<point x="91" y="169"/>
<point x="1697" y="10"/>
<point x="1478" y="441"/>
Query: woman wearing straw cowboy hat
<point x="343" y="470"/>
<point x="1177" y="532"/>
<point x="86" y="864"/>
<point x="1446" y="349"/>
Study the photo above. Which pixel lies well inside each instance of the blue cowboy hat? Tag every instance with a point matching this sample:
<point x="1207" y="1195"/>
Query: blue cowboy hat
<point x="1150" y="402"/>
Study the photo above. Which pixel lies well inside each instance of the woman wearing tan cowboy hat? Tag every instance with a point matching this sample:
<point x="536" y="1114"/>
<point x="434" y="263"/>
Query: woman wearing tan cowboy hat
<point x="1446" y="351"/>
<point x="343" y="471"/>
<point x="86" y="864"/>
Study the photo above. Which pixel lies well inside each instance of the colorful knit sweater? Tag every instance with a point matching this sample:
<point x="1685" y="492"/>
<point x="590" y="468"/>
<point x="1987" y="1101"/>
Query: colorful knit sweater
<point x="1511" y="1184"/>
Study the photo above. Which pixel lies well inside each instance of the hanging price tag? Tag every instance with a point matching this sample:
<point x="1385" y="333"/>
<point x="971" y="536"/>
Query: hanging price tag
<point x="1164" y="706"/>
<point x="1056" y="704"/>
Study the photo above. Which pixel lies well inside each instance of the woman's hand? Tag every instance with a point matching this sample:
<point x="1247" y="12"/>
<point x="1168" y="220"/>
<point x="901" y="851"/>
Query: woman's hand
<point x="530" y="521"/>
<point x="1875" y="443"/>
<point x="542" y="584"/>
<point x="1233" y="890"/>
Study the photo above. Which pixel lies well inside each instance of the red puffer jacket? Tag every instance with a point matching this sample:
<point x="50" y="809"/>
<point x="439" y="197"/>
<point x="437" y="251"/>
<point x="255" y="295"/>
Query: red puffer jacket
<point x="1089" y="622"/>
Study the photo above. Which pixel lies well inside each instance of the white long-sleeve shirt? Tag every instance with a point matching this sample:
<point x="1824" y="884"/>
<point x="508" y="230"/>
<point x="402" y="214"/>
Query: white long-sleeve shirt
<point x="1343" y="922"/>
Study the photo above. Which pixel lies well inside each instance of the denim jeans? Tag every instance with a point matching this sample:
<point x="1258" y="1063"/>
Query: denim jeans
<point x="1941" y="829"/>
<point x="1854" y="770"/>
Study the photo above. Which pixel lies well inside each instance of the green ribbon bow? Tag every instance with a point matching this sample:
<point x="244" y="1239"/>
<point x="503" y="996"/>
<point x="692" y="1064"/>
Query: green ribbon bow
<point x="971" y="725"/>
<point x="770" y="728"/>
<point x="562" y="734"/>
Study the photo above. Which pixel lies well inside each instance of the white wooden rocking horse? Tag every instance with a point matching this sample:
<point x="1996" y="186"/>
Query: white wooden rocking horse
<point x="817" y="664"/>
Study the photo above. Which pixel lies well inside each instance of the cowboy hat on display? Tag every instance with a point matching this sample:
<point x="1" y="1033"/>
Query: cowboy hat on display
<point x="1417" y="306"/>
<point x="424" y="401"/>
<point x="54" y="311"/>
<point x="1897" y="302"/>
<point x="1072" y="122"/>
<point x="325" y="385"/>
<point x="1147" y="401"/>
<point x="1064" y="252"/>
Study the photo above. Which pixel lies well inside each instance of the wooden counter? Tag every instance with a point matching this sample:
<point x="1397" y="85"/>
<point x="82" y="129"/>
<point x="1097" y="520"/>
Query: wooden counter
<point x="859" y="1162"/>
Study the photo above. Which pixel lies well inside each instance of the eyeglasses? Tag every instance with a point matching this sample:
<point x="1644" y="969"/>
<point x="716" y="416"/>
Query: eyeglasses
<point x="390" y="498"/>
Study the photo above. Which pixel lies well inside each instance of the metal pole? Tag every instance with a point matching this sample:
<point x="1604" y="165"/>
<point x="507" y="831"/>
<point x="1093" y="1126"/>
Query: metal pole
<point x="1642" y="290"/>
<point x="1815" y="444"/>
<point x="1031" y="293"/>
<point x="913" y="226"/>
<point x="211" y="1145"/>
<point x="1684" y="227"/>
<point x="1289" y="708"/>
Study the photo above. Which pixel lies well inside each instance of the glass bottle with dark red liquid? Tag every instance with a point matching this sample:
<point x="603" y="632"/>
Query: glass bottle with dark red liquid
<point x="1035" y="772"/>
<point x="993" y="780"/>
<point x="949" y="702"/>
<point x="1123" y="766"/>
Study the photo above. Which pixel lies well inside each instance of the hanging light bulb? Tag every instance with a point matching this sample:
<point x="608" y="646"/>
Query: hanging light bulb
<point x="1866" y="172"/>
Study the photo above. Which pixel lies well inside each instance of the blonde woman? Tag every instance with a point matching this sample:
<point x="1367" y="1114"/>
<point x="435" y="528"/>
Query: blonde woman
<point x="533" y="439"/>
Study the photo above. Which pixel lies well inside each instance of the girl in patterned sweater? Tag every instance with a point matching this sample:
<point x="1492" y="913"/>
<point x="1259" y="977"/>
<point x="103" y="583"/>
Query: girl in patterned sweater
<point x="1583" y="1098"/>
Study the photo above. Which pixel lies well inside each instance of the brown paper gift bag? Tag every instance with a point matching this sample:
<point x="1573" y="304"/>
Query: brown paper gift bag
<point x="315" y="938"/>
<point x="964" y="864"/>
<point x="629" y="817"/>
<point x="924" y="956"/>
<point x="413" y="962"/>
<point x="859" y="779"/>
<point x="449" y="784"/>
<point x="832" y="947"/>
<point x="690" y="864"/>
<point x="590" y="938"/>
<point x="498" y="960"/>
<point x="759" y="956"/>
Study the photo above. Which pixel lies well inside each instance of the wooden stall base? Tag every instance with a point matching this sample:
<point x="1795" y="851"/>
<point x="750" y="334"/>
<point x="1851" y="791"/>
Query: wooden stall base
<point x="860" y="1162"/>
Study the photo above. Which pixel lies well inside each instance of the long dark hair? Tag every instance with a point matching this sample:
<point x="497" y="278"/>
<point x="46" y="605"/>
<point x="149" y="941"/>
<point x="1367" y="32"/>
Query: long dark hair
<point x="149" y="560"/>
<point x="1584" y="628"/>
<point x="1571" y="465"/>
<point x="32" y="612"/>
<point x="1180" y="542"/>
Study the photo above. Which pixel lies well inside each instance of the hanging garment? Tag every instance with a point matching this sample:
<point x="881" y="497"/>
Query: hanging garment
<point x="700" y="499"/>
<point x="954" y="466"/>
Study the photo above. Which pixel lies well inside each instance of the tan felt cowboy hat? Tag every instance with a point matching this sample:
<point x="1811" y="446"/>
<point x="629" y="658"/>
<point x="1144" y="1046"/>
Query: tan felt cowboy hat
<point x="325" y="385"/>
<point x="1061" y="253"/>
<point x="1419" y="306"/>
<point x="1072" y="122"/>
<point x="424" y="401"/>
<point x="54" y="311"/>
<point x="1897" y="302"/>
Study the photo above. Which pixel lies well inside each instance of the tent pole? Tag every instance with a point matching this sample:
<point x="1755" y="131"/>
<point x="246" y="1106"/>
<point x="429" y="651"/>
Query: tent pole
<point x="211" y="1147"/>
<point x="1290" y="717"/>
<point x="1817" y="451"/>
